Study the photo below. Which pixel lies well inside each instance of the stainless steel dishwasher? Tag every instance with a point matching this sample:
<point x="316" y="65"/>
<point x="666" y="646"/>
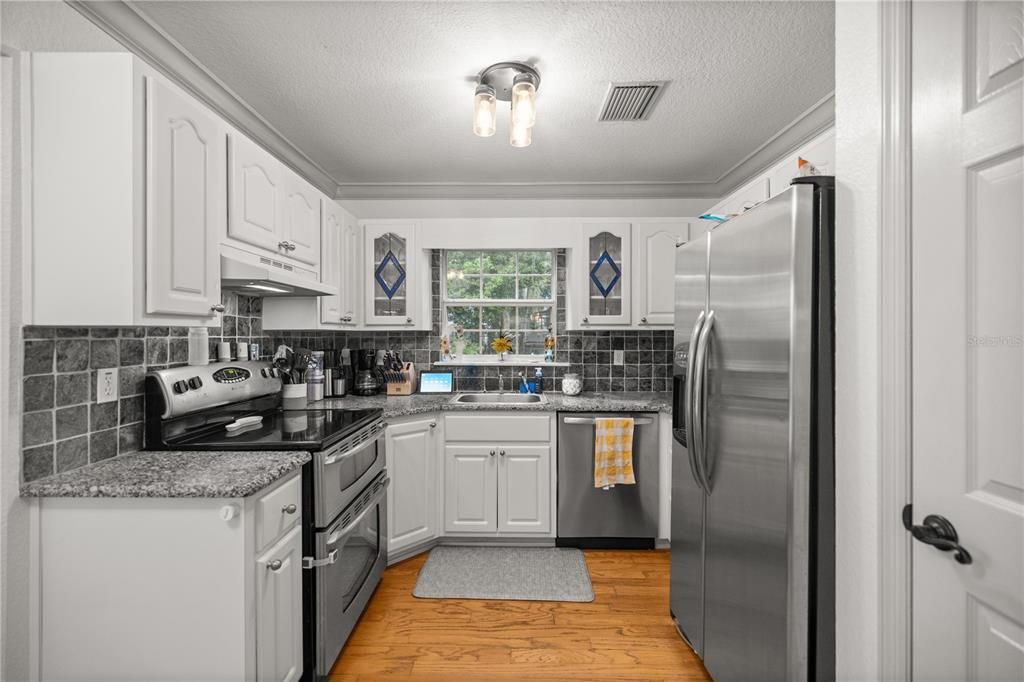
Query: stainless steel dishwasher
<point x="625" y="516"/>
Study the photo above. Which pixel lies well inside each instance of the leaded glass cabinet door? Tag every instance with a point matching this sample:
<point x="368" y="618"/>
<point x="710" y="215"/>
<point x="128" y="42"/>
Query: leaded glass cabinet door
<point x="391" y="275"/>
<point x="604" y="275"/>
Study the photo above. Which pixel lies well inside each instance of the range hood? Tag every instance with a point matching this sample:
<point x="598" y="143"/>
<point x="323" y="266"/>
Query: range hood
<point x="261" y="276"/>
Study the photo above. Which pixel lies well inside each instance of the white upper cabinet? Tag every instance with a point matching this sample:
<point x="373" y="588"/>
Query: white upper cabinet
<point x="301" y="223"/>
<point x="255" y="189"/>
<point x="127" y="202"/>
<point x="351" y="275"/>
<point x="185" y="202"/>
<point x="331" y="225"/>
<point x="396" y="276"/>
<point x="654" y="262"/>
<point x="272" y="210"/>
<point x="602" y="273"/>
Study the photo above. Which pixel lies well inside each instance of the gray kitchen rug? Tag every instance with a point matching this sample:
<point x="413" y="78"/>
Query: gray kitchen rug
<point x="527" y="573"/>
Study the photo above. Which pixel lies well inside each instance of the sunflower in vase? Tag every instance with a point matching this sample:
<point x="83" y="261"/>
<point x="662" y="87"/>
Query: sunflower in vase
<point x="502" y="343"/>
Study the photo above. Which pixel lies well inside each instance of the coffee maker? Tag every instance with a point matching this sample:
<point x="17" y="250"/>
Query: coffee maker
<point x="366" y="375"/>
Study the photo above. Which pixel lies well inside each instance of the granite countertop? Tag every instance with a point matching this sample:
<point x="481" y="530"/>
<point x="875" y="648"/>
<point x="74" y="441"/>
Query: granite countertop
<point x="172" y="474"/>
<point x="401" y="406"/>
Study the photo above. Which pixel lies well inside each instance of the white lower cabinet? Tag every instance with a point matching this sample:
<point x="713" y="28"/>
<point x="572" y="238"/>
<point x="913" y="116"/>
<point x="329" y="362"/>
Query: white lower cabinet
<point x="279" y="610"/>
<point x="411" y="452"/>
<point x="170" y="588"/>
<point x="502" y="487"/>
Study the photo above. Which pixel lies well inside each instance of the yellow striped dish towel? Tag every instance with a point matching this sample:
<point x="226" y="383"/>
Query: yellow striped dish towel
<point x="613" y="452"/>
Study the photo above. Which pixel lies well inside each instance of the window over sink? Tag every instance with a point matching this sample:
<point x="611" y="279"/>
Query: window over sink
<point x="489" y="292"/>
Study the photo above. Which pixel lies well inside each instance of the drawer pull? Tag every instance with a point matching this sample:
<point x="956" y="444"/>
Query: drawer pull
<point x="289" y="509"/>
<point x="275" y="565"/>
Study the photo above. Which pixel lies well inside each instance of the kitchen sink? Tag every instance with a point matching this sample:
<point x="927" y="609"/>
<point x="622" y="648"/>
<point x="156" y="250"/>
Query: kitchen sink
<point x="498" y="399"/>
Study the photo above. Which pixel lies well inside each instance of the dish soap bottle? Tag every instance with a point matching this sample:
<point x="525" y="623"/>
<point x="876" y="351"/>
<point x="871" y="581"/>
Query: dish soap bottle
<point x="538" y="375"/>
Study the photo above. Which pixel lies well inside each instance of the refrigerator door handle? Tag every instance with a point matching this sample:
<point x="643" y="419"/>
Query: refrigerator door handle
<point x="699" y="403"/>
<point x="688" y="420"/>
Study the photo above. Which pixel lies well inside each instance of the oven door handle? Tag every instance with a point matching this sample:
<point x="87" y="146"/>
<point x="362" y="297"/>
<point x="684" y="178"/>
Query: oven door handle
<point x="309" y="562"/>
<point x="337" y="535"/>
<point x="335" y="458"/>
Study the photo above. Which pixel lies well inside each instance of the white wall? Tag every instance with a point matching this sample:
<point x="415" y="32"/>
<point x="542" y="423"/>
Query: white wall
<point x="858" y="159"/>
<point x="526" y="208"/>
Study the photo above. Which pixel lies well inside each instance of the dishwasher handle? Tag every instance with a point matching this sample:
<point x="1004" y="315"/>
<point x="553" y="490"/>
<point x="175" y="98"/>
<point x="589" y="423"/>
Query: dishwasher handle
<point x="589" y="421"/>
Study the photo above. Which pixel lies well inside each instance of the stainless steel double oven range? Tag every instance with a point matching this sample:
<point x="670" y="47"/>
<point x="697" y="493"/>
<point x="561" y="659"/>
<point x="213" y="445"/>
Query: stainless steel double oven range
<point x="345" y="484"/>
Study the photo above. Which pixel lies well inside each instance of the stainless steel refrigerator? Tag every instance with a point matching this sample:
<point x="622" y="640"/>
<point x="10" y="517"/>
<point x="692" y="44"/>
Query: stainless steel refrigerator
<point x="752" y="569"/>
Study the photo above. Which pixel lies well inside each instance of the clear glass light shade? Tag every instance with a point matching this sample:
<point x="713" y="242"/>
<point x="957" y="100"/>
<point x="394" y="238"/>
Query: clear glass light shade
<point x="524" y="104"/>
<point x="520" y="136"/>
<point x="485" y="115"/>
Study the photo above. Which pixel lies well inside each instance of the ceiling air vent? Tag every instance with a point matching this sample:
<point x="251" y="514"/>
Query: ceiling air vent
<point x="630" y="101"/>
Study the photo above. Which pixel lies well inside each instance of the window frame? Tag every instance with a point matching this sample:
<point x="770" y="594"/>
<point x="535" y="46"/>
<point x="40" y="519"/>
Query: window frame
<point x="515" y="303"/>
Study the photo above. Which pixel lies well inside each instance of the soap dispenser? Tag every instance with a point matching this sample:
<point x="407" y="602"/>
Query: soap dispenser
<point x="538" y="376"/>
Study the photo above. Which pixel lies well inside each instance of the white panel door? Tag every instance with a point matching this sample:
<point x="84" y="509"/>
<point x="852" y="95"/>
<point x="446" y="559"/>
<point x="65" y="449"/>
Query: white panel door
<point x="301" y="220"/>
<point x="331" y="226"/>
<point x="524" y="488"/>
<point x="654" y="265"/>
<point x="279" y="610"/>
<point x="391" y="274"/>
<point x="255" y="191"/>
<point x="185" y="205"/>
<point x="470" y="489"/>
<point x="968" y="337"/>
<point x="351" y="269"/>
<point x="411" y="450"/>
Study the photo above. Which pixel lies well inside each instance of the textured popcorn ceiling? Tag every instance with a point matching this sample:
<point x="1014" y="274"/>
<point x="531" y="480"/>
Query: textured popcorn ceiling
<point x="381" y="91"/>
<point x="51" y="26"/>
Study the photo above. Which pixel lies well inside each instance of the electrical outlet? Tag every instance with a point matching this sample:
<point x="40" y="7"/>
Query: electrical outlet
<point x="618" y="357"/>
<point x="106" y="385"/>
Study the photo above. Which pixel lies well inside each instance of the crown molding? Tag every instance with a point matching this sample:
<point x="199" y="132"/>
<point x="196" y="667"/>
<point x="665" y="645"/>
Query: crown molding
<point x="136" y="32"/>
<point x="527" y="190"/>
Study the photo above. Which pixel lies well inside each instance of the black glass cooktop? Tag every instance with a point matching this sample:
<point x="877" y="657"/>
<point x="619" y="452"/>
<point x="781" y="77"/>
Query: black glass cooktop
<point x="308" y="429"/>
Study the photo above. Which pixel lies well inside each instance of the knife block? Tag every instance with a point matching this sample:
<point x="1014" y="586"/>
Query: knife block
<point x="407" y="384"/>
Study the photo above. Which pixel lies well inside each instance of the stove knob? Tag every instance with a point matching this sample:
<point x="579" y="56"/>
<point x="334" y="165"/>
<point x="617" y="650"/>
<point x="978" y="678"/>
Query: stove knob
<point x="180" y="387"/>
<point x="195" y="382"/>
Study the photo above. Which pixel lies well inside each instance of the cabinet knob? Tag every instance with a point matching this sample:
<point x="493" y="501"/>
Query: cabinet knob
<point x="408" y="320"/>
<point x="347" y="318"/>
<point x="289" y="509"/>
<point x="217" y="308"/>
<point x="492" y="453"/>
<point x="275" y="565"/>
<point x="502" y="453"/>
<point x="282" y="245"/>
<point x="433" y="425"/>
<point x="643" y="320"/>
<point x="586" y="320"/>
<point x="292" y="246"/>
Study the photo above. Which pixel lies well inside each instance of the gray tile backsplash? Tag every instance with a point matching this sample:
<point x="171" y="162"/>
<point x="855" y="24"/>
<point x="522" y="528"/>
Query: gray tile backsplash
<point x="62" y="426"/>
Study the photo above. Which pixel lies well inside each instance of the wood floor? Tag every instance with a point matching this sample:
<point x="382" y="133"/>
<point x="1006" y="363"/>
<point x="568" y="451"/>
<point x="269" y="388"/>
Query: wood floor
<point x="624" y="634"/>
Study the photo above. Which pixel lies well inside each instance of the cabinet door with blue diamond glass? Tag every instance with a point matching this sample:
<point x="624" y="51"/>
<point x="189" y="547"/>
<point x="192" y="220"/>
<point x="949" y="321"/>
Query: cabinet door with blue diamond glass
<point x="391" y="259"/>
<point x="604" y="275"/>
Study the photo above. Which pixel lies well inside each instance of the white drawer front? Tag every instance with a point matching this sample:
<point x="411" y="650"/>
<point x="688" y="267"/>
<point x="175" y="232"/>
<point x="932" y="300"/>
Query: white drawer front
<point x="277" y="511"/>
<point x="498" y="428"/>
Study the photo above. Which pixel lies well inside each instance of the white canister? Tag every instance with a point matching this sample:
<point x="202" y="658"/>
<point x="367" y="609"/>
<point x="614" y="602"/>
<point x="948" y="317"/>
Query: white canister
<point x="224" y="351"/>
<point x="571" y="384"/>
<point x="198" y="346"/>
<point x="293" y="396"/>
<point x="242" y="350"/>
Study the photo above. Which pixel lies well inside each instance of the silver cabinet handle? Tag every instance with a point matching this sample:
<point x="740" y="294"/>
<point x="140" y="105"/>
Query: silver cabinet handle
<point x="502" y="453"/>
<point x="492" y="453"/>
<point x="282" y="245"/>
<point x="217" y="308"/>
<point x="408" y="320"/>
<point x="589" y="421"/>
<point x="275" y="565"/>
<point x="586" y="320"/>
<point x="289" y="509"/>
<point x="433" y="425"/>
<point x="292" y="246"/>
<point x="346" y="318"/>
<point x="643" y="320"/>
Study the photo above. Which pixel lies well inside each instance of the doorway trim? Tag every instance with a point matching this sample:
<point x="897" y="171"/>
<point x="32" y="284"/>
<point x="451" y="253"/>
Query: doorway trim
<point x="895" y="361"/>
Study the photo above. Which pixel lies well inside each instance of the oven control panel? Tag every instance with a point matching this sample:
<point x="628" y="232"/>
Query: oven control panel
<point x="190" y="388"/>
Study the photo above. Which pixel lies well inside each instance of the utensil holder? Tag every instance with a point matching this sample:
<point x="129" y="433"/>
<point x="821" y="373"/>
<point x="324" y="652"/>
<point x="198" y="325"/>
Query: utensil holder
<point x="293" y="396"/>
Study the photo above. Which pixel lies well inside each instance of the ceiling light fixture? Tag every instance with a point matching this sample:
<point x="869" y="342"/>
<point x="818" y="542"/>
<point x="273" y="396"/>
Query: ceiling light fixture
<point x="514" y="82"/>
